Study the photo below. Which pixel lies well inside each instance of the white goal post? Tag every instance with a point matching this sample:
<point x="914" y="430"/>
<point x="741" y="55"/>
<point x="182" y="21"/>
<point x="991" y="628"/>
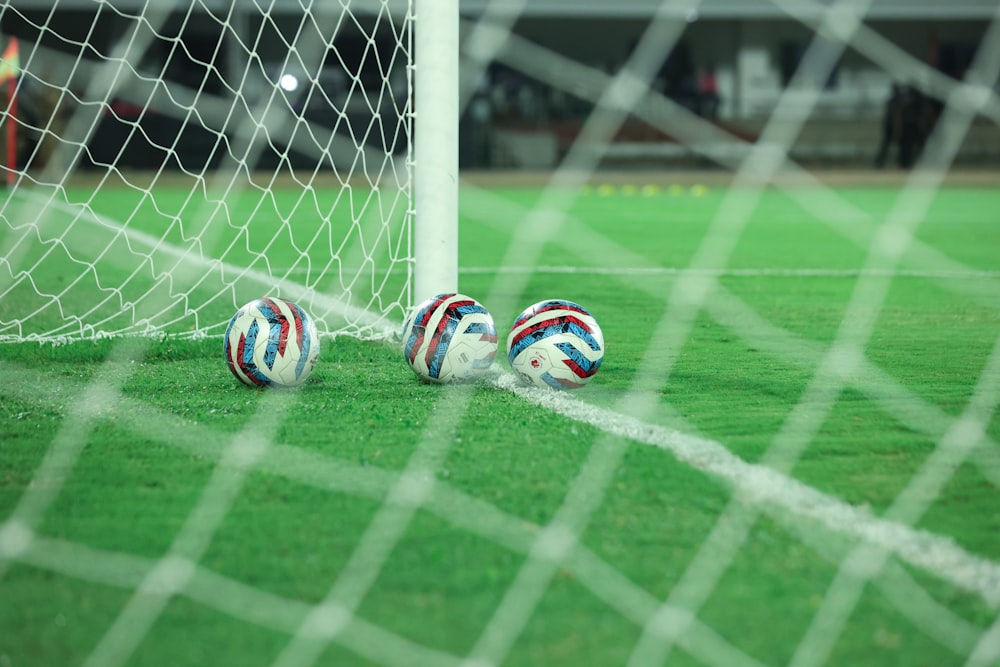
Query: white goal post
<point x="167" y="162"/>
<point x="436" y="144"/>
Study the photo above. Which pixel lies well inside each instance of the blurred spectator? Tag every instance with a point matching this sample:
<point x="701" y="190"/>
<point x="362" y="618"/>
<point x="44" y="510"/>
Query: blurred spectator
<point x="904" y="122"/>
<point x="708" y="93"/>
<point x="910" y="129"/>
<point x="680" y="82"/>
<point x="892" y="120"/>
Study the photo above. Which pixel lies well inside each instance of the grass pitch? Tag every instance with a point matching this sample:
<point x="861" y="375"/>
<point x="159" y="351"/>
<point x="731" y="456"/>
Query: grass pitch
<point x="111" y="452"/>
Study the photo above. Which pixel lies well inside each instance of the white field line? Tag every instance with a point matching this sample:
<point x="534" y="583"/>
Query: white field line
<point x="858" y="324"/>
<point x="821" y="201"/>
<point x="411" y="490"/>
<point x="557" y="546"/>
<point x="174" y="570"/>
<point x="912" y="601"/>
<point x="879" y="386"/>
<point x="737" y="519"/>
<point x="866" y="561"/>
<point x="14" y="247"/>
<point x="617" y="100"/>
<point x="842" y="358"/>
<point x="463" y="511"/>
<point x="835" y="359"/>
<point x="760" y="485"/>
<point x="495" y="211"/>
<point x="689" y="293"/>
<point x="525" y="245"/>
<point x="703" y="137"/>
<point x="366" y="319"/>
<point x="970" y="274"/>
<point x="191" y="262"/>
<point x="656" y="271"/>
<point x="732" y="312"/>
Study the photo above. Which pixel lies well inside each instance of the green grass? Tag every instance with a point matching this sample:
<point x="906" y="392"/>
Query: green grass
<point x="147" y="457"/>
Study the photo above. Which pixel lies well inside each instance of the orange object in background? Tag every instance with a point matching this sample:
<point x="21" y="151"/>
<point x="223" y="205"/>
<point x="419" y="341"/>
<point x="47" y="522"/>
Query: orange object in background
<point x="10" y="68"/>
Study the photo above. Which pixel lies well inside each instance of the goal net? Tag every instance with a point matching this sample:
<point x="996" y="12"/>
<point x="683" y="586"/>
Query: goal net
<point x="168" y="162"/>
<point x="843" y="513"/>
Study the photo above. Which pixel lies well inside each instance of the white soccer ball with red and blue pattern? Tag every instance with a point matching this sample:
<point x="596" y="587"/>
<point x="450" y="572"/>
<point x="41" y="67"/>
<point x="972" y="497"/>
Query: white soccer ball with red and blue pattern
<point x="271" y="342"/>
<point x="555" y="344"/>
<point x="450" y="338"/>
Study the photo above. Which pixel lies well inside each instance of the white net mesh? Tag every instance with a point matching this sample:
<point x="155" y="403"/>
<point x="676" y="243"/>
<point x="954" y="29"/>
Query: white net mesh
<point x="56" y="233"/>
<point x="176" y="160"/>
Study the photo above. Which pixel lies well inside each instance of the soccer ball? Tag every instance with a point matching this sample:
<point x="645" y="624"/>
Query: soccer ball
<point x="450" y="338"/>
<point x="555" y="344"/>
<point x="271" y="342"/>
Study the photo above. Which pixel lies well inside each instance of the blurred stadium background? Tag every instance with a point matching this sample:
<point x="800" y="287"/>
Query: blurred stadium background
<point x="789" y="456"/>
<point x="730" y="66"/>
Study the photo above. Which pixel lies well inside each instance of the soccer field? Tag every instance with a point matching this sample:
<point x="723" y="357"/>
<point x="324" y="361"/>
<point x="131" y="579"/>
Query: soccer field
<point x="788" y="457"/>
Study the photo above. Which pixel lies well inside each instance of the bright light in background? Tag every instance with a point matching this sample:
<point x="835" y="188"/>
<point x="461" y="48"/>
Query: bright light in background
<point x="288" y="82"/>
